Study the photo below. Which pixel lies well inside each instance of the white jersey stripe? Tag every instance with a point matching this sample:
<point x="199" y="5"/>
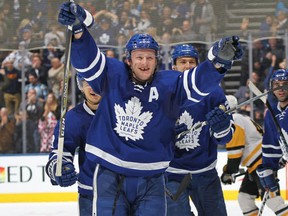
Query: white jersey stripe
<point x="125" y="164"/>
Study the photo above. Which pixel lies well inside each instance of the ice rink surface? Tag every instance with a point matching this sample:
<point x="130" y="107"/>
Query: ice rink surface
<point x="71" y="209"/>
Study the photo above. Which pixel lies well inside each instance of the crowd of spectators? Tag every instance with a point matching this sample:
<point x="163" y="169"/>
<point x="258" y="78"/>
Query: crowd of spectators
<point x="33" y="46"/>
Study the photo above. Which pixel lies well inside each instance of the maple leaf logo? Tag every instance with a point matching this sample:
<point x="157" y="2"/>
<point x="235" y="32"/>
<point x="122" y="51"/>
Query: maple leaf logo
<point x="131" y="122"/>
<point x="191" y="139"/>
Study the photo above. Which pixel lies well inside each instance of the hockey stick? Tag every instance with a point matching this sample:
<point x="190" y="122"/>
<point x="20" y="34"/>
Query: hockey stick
<point x="241" y="172"/>
<point x="263" y="203"/>
<point x="183" y="185"/>
<point x="64" y="99"/>
<point x="201" y="124"/>
<point x="283" y="144"/>
<point x="185" y="181"/>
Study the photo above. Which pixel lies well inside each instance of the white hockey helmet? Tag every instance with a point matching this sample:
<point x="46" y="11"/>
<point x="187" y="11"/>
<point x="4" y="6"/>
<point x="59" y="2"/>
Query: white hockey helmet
<point x="232" y="101"/>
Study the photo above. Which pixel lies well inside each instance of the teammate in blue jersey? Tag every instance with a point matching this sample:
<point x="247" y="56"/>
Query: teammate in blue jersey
<point x="77" y="123"/>
<point x="133" y="145"/>
<point x="196" y="152"/>
<point x="273" y="148"/>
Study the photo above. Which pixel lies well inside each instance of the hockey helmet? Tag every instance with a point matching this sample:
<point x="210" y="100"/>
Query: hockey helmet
<point x="141" y="41"/>
<point x="232" y="101"/>
<point x="184" y="50"/>
<point x="279" y="75"/>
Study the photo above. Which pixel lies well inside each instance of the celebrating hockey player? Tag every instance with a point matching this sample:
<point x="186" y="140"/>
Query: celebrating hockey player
<point x="273" y="146"/>
<point x="78" y="121"/>
<point x="132" y="146"/>
<point x="196" y="152"/>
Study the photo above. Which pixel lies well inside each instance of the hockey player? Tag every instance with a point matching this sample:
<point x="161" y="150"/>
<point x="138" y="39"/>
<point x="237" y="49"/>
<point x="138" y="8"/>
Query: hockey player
<point x="77" y="123"/>
<point x="132" y="146"/>
<point x="271" y="145"/>
<point x="196" y="152"/>
<point x="244" y="149"/>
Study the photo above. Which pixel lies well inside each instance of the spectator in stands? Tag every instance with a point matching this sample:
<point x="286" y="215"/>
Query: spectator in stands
<point x="274" y="47"/>
<point x="54" y="50"/>
<point x="32" y="113"/>
<point x="126" y="24"/>
<point x="55" y="76"/>
<point x="282" y="23"/>
<point x="110" y="53"/>
<point x="38" y="68"/>
<point x="3" y="82"/>
<point x="184" y="33"/>
<point x="105" y="14"/>
<point x="243" y="94"/>
<point x="265" y="26"/>
<point x="258" y="54"/>
<point x="54" y="33"/>
<point x="165" y="22"/>
<point x="41" y="89"/>
<point x="3" y="28"/>
<point x="48" y="122"/>
<point x="21" y="58"/>
<point x="202" y="15"/>
<point x="144" y="23"/>
<point x="244" y="28"/>
<point x="26" y="34"/>
<point x="12" y="92"/>
<point x="105" y="34"/>
<point x="7" y="130"/>
<point x="281" y="5"/>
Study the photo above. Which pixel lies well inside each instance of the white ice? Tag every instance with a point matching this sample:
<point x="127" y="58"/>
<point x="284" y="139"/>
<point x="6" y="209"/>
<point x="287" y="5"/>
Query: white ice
<point x="71" y="209"/>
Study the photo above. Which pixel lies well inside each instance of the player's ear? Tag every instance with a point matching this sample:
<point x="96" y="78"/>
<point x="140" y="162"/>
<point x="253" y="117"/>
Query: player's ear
<point x="174" y="67"/>
<point x="128" y="61"/>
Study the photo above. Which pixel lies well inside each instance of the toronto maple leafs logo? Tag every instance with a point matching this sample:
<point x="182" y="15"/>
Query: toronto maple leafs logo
<point x="130" y="121"/>
<point x="191" y="139"/>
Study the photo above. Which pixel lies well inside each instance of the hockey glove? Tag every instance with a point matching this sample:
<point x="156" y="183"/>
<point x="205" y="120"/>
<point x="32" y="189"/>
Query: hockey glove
<point x="225" y="51"/>
<point x="220" y="122"/>
<point x="282" y="162"/>
<point x="68" y="14"/>
<point x="179" y="128"/>
<point x="267" y="178"/>
<point x="227" y="178"/>
<point x="68" y="177"/>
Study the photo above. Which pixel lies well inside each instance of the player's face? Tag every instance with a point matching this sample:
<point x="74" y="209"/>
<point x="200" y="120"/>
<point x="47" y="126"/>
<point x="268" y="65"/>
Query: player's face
<point x="143" y="64"/>
<point x="185" y="63"/>
<point x="281" y="94"/>
<point x="92" y="98"/>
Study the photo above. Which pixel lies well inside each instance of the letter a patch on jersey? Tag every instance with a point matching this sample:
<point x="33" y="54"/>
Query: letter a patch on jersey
<point x="130" y="121"/>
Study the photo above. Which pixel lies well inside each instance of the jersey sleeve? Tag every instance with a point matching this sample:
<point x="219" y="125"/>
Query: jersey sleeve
<point x="270" y="146"/>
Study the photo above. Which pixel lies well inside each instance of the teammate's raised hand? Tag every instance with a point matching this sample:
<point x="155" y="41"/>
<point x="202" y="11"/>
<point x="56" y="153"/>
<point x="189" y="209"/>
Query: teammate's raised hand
<point x="225" y="51"/>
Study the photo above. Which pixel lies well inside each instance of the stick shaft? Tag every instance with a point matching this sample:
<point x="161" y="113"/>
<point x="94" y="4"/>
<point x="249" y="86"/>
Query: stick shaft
<point x="64" y="100"/>
<point x="265" y="197"/>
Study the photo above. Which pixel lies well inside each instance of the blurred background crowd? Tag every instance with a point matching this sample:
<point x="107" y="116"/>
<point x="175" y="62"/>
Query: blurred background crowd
<point x="32" y="47"/>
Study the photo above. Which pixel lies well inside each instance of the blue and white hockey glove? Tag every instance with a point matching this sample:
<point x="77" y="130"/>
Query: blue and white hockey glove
<point x="68" y="14"/>
<point x="220" y="122"/>
<point x="267" y="178"/>
<point x="68" y="177"/>
<point x="225" y="51"/>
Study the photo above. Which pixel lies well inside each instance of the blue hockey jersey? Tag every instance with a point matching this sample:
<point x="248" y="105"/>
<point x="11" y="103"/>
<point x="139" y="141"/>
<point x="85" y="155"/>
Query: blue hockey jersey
<point x="197" y="151"/>
<point x="271" y="140"/>
<point x="77" y="122"/>
<point x="133" y="130"/>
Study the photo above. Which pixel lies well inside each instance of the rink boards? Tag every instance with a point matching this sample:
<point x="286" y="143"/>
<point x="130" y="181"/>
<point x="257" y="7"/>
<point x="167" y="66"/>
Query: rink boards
<point x="23" y="179"/>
